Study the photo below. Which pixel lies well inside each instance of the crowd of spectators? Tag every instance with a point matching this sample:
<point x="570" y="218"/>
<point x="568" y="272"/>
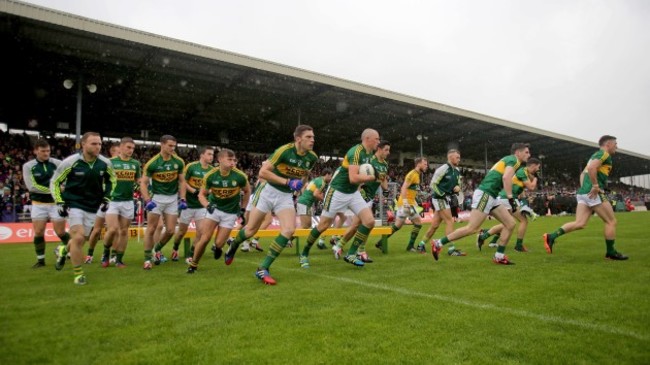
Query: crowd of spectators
<point x="556" y="192"/>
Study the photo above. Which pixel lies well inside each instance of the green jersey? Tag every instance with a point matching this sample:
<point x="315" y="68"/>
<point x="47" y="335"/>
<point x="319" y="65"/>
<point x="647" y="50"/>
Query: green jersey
<point x="356" y="156"/>
<point x="602" y="174"/>
<point x="225" y="189"/>
<point x="37" y="175"/>
<point x="127" y="172"/>
<point x="444" y="180"/>
<point x="86" y="183"/>
<point x="518" y="180"/>
<point x="289" y="164"/>
<point x="369" y="190"/>
<point x="194" y="174"/>
<point x="164" y="174"/>
<point x="307" y="197"/>
<point x="493" y="181"/>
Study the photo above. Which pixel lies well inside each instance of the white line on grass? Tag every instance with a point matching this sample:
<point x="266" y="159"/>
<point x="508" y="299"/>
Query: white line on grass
<point x="478" y="305"/>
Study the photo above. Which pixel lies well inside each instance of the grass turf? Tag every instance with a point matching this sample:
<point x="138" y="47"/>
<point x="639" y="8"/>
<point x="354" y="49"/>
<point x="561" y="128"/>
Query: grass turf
<point x="570" y="307"/>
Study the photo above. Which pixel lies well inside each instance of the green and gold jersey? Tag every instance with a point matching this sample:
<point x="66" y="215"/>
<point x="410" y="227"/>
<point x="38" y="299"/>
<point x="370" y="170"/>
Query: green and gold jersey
<point x="602" y="174"/>
<point x="164" y="174"/>
<point x="194" y="174"/>
<point x="369" y="190"/>
<point x="289" y="164"/>
<point x="444" y="180"/>
<point x="225" y="189"/>
<point x="127" y="172"/>
<point x="493" y="181"/>
<point x="518" y="180"/>
<point x="356" y="156"/>
<point x="307" y="197"/>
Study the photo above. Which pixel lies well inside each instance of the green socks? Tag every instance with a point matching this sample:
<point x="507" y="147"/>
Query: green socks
<point x="359" y="239"/>
<point x="311" y="239"/>
<point x="275" y="248"/>
<point x="556" y="234"/>
<point x="610" y="247"/>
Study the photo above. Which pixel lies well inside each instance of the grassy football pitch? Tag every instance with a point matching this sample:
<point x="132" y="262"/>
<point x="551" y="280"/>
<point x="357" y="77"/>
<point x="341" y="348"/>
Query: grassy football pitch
<point x="571" y="307"/>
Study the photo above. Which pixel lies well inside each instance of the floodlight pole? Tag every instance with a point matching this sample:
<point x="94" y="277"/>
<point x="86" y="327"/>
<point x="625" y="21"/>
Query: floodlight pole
<point x="78" y="118"/>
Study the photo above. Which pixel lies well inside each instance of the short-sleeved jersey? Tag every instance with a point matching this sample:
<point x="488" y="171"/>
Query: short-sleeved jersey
<point x="289" y="164"/>
<point x="412" y="180"/>
<point x="369" y="190"/>
<point x="164" y="174"/>
<point x="493" y="181"/>
<point x="601" y="176"/>
<point x="37" y="175"/>
<point x="86" y="183"/>
<point x="127" y="172"/>
<point x="518" y="180"/>
<point x="307" y="197"/>
<point x="194" y="174"/>
<point x="225" y="189"/>
<point x="355" y="156"/>
<point x="444" y="180"/>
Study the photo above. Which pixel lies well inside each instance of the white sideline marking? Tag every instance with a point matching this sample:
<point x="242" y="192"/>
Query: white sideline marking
<point x="477" y="305"/>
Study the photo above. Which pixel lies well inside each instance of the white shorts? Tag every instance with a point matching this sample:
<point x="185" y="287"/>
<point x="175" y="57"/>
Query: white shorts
<point x="302" y="209"/>
<point x="370" y="204"/>
<point x="585" y="199"/>
<point x="338" y="202"/>
<point x="273" y="200"/>
<point x="192" y="214"/>
<point x="41" y="212"/>
<point x="124" y="209"/>
<point x="483" y="202"/>
<point x="225" y="220"/>
<point x="411" y="214"/>
<point x="526" y="209"/>
<point x="165" y="204"/>
<point x="78" y="217"/>
<point x="440" y="204"/>
<point x="100" y="214"/>
<point x="249" y="206"/>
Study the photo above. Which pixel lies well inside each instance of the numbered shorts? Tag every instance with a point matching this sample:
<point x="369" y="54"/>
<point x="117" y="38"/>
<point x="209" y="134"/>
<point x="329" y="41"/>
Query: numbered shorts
<point x="192" y="214"/>
<point x="225" y="220"/>
<point x="124" y="209"/>
<point x="165" y="204"/>
<point x="338" y="202"/>
<point x="483" y="201"/>
<point x="411" y="213"/>
<point x="302" y="209"/>
<point x="440" y="203"/>
<point x="43" y="212"/>
<point x="585" y="199"/>
<point x="271" y="199"/>
<point x="77" y="217"/>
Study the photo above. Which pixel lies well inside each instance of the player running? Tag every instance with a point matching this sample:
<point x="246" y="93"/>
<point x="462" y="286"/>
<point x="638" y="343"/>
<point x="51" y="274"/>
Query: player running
<point x="368" y="192"/>
<point x="37" y="174"/>
<point x="407" y="206"/>
<point x="221" y="196"/>
<point x="167" y="182"/>
<point x="591" y="199"/>
<point x="445" y="185"/>
<point x="89" y="180"/>
<point x="343" y="194"/>
<point x="524" y="178"/>
<point x="194" y="173"/>
<point x="484" y="203"/>
<point x="121" y="209"/>
<point x="285" y="172"/>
